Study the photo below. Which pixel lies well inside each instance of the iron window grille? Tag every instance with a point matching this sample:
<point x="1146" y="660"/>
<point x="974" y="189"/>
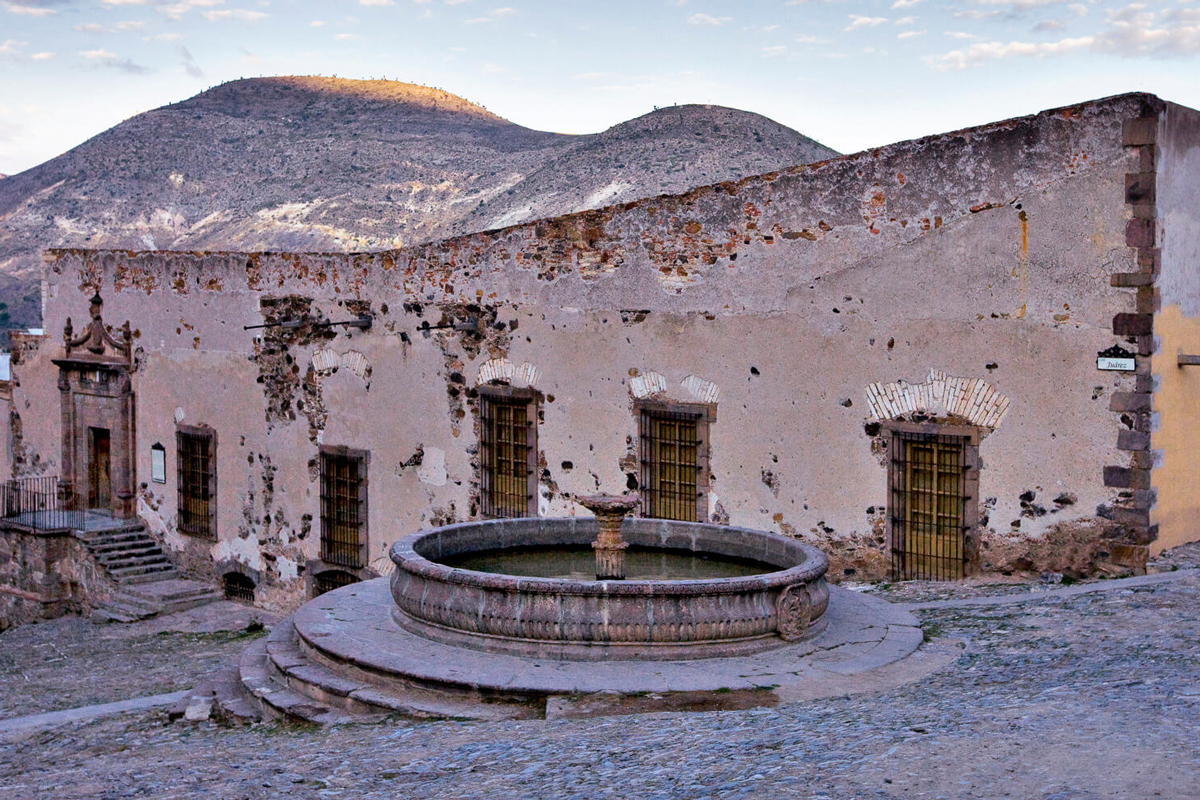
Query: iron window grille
<point x="196" y="472"/>
<point x="343" y="507"/>
<point x="932" y="505"/>
<point x="332" y="579"/>
<point x="673" y="445"/>
<point x="507" y="452"/>
<point x="238" y="588"/>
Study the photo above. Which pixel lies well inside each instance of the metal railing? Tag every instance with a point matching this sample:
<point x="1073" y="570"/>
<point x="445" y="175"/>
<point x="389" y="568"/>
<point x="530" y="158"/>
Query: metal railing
<point x="46" y="503"/>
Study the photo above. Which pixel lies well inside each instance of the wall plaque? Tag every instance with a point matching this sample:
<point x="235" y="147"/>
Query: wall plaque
<point x="158" y="463"/>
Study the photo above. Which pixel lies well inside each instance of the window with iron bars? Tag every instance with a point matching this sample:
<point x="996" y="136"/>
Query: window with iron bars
<point x="238" y="587"/>
<point x="344" y="506"/>
<point x="196" y="471"/>
<point x="673" y="445"/>
<point x="933" y="481"/>
<point x="507" y="452"/>
<point x="331" y="579"/>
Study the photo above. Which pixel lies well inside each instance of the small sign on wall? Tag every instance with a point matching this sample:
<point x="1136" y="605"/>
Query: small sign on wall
<point x="158" y="463"/>
<point x="1115" y="359"/>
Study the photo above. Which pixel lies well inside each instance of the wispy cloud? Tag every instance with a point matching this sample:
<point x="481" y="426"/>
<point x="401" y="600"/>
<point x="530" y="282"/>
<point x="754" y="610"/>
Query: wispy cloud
<point x="189" y="64"/>
<point x="708" y="19"/>
<point x="240" y="14"/>
<point x="1131" y="32"/>
<point x="31" y="8"/>
<point x="107" y="60"/>
<point x="858" y="21"/>
<point x="377" y="2"/>
<point x="774" y="51"/>
<point x="178" y="9"/>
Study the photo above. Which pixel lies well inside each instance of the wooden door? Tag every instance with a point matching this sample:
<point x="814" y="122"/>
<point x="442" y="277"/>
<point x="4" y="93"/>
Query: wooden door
<point x="99" y="468"/>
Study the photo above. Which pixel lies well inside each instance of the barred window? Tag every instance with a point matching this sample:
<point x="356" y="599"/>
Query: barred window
<point x="507" y="452"/>
<point x="196" y="470"/>
<point x="238" y="587"/>
<point x="343" y="506"/>
<point x="331" y="579"/>
<point x="673" y="443"/>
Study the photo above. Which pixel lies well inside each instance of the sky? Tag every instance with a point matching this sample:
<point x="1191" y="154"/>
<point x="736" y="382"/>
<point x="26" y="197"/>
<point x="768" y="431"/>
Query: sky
<point x="851" y="75"/>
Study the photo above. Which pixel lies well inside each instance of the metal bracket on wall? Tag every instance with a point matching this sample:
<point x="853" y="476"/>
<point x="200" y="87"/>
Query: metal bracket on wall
<point x="1188" y="361"/>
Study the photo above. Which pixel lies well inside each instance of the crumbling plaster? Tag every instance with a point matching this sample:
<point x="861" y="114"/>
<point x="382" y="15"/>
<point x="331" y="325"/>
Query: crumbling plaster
<point x="985" y="253"/>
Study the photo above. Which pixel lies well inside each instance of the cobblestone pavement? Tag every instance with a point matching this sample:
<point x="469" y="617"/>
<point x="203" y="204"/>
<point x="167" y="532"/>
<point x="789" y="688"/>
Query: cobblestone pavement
<point x="69" y="662"/>
<point x="1063" y="698"/>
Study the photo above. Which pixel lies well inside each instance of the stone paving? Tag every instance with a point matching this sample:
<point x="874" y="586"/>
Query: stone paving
<point x="1075" y="697"/>
<point x="70" y="662"/>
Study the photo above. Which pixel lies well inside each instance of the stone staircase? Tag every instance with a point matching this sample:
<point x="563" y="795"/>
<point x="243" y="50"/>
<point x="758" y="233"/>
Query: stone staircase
<point x="148" y="584"/>
<point x="279" y="677"/>
<point x="129" y="555"/>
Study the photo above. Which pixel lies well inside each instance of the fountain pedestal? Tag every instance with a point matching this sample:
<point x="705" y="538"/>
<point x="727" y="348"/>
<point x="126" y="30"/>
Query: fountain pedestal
<point x="610" y="511"/>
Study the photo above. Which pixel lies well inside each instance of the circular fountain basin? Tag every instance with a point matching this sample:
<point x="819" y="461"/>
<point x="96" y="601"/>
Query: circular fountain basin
<point x="781" y="600"/>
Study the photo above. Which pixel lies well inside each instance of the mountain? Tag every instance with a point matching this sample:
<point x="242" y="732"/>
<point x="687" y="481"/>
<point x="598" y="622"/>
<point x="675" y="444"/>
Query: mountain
<point x="304" y="163"/>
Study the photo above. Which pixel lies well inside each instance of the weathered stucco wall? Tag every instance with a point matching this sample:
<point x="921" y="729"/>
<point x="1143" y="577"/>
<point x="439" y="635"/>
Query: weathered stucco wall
<point x="984" y="253"/>
<point x="1176" y="440"/>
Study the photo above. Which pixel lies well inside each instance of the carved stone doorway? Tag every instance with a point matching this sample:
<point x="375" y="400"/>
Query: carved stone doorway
<point x="98" y="433"/>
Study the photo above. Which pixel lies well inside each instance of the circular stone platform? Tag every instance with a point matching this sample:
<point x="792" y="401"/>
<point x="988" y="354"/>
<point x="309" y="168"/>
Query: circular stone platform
<point x="344" y="652"/>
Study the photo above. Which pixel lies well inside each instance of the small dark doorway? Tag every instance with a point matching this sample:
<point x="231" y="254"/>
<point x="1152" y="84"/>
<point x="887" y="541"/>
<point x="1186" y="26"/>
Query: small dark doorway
<point x="99" y="468"/>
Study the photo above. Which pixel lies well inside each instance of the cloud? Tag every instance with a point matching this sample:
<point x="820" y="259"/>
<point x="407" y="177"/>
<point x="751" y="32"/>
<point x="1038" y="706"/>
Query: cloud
<point x="774" y="51"/>
<point x="1048" y="25"/>
<point x="504" y="12"/>
<point x="107" y="60"/>
<point x="114" y="3"/>
<point x="590" y="76"/>
<point x="1130" y="32"/>
<point x="708" y="19"/>
<point x="492" y="69"/>
<point x="960" y="35"/>
<point x="343" y="37"/>
<point x="179" y="9"/>
<point x="477" y="20"/>
<point x="316" y="23"/>
<point x="42" y="56"/>
<point x="377" y="2"/>
<point x="857" y="21"/>
<point x="905" y="21"/>
<point x="240" y="14"/>
<point x="91" y="27"/>
<point x="189" y="64"/>
<point x="910" y="34"/>
<point x="29" y="9"/>
<point x="164" y="37"/>
<point x="806" y="39"/>
<point x="905" y="3"/>
<point x="11" y="47"/>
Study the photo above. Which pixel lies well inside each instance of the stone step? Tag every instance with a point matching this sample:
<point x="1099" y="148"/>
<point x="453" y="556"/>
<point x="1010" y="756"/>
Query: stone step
<point x="173" y="590"/>
<point x="103" y="538"/>
<point x="131" y="546"/>
<point x="137" y="575"/>
<point x="287" y="665"/>
<point x="123" y="560"/>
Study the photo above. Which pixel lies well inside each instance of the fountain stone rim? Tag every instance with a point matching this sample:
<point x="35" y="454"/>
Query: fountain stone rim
<point x="404" y="554"/>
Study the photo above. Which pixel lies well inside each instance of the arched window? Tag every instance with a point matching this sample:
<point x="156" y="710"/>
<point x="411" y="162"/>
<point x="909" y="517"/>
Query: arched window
<point x="238" y="588"/>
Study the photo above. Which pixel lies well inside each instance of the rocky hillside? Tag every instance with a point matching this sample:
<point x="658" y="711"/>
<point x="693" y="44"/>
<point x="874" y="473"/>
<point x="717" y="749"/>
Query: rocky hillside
<point x="329" y="164"/>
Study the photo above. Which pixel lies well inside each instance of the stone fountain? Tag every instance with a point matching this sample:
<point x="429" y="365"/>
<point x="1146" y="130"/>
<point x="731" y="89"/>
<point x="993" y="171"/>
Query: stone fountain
<point x="507" y="618"/>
